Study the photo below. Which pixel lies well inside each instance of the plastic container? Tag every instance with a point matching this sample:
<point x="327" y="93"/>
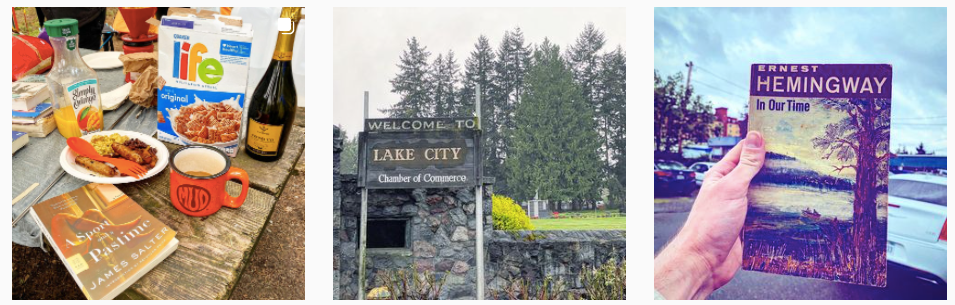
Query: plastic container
<point x="77" y="106"/>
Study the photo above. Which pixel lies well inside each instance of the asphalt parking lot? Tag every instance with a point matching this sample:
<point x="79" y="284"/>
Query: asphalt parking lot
<point x="670" y="213"/>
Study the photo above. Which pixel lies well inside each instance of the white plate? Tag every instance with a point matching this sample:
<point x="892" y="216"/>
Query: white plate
<point x="173" y="113"/>
<point x="111" y="100"/>
<point x="103" y="60"/>
<point x="68" y="158"/>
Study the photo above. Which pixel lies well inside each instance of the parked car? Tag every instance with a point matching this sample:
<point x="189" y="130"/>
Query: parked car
<point x="671" y="177"/>
<point x="918" y="225"/>
<point x="700" y="169"/>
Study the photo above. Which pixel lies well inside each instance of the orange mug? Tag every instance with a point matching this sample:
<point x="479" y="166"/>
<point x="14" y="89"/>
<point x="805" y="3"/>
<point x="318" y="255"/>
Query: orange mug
<point x="198" y="178"/>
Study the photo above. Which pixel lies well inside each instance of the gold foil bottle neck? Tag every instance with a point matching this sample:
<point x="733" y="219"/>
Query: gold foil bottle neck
<point x="286" y="40"/>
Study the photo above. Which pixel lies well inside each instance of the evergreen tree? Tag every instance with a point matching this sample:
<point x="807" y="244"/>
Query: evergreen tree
<point x="411" y="84"/>
<point x="584" y="59"/>
<point x="444" y="85"/>
<point x="586" y="63"/>
<point x="514" y="60"/>
<point x="479" y="70"/>
<point x="612" y="85"/>
<point x="349" y="155"/>
<point x="555" y="146"/>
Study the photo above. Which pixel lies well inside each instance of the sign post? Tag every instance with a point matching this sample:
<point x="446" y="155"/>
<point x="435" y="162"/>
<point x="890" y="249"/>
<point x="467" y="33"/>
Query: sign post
<point x="363" y="230"/>
<point x="479" y="211"/>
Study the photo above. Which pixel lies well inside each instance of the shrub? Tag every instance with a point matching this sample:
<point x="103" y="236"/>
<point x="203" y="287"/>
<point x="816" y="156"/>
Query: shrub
<point x="607" y="282"/>
<point x="522" y="289"/>
<point x="407" y="284"/>
<point x="509" y="216"/>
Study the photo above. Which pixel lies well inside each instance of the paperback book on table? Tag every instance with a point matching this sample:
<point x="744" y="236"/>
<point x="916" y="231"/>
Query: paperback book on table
<point x="32" y="116"/>
<point x="29" y="92"/>
<point x="20" y="139"/>
<point x="105" y="239"/>
<point x="818" y="207"/>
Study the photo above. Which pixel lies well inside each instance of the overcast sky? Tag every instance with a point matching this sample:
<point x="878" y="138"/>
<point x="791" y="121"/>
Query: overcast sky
<point x="723" y="42"/>
<point x="368" y="42"/>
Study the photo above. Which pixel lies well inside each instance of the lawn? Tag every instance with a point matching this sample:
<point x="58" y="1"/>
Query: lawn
<point x="609" y="223"/>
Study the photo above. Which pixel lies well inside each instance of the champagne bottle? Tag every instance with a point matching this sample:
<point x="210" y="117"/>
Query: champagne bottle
<point x="273" y="104"/>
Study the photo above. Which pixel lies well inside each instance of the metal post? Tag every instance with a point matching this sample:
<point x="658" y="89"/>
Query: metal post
<point x="361" y="251"/>
<point x="479" y="211"/>
<point x="366" y="109"/>
<point x="364" y="227"/>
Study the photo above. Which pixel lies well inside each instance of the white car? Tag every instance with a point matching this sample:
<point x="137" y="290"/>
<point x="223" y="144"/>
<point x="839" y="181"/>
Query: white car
<point x="700" y="168"/>
<point x="918" y="225"/>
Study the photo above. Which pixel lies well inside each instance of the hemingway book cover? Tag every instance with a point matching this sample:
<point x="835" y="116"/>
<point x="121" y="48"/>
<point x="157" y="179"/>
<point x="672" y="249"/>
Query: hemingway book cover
<point x="818" y="207"/>
<point x="104" y="238"/>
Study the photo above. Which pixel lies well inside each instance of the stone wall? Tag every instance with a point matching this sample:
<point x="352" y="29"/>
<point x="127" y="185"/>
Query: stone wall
<point x="442" y="239"/>
<point x="442" y="236"/>
<point x="336" y="207"/>
<point x="534" y="255"/>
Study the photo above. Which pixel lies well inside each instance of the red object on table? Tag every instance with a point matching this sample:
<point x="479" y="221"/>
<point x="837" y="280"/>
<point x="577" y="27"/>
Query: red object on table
<point x="136" y="21"/>
<point x="138" y="39"/>
<point x="31" y="55"/>
<point x="201" y="196"/>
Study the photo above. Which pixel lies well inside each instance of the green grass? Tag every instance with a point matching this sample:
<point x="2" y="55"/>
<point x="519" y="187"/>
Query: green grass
<point x="611" y="223"/>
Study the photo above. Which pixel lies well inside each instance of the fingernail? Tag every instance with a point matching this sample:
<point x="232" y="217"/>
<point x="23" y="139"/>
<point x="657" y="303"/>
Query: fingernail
<point x="754" y="140"/>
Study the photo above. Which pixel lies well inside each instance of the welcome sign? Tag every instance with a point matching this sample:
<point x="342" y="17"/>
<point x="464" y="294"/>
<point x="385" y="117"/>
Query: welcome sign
<point x="419" y="153"/>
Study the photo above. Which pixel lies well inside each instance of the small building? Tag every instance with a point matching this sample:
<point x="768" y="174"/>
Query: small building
<point x="729" y="126"/>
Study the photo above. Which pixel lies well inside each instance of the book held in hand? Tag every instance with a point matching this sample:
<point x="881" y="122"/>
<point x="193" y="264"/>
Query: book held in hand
<point x="105" y="239"/>
<point x="818" y="207"/>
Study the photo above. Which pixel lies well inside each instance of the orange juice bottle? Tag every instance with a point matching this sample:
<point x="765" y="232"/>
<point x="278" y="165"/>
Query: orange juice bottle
<point x="76" y="96"/>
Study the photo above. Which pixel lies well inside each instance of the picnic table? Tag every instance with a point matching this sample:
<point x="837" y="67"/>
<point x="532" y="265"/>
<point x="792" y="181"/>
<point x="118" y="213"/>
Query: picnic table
<point x="214" y="250"/>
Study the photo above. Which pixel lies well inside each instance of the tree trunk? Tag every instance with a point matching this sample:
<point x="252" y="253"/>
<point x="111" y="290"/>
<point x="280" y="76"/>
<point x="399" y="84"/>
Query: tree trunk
<point x="864" y="220"/>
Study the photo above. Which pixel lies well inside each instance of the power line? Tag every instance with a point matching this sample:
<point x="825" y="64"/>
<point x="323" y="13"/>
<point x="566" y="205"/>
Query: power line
<point x="720" y="89"/>
<point x="720" y="77"/>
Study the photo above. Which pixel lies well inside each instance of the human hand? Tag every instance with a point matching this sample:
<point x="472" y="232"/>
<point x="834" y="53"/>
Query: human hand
<point x="707" y="251"/>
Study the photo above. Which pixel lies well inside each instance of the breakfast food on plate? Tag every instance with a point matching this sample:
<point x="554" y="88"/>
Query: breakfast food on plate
<point x="96" y="166"/>
<point x="208" y="123"/>
<point x="104" y="144"/>
<point x="127" y="153"/>
<point x="118" y="146"/>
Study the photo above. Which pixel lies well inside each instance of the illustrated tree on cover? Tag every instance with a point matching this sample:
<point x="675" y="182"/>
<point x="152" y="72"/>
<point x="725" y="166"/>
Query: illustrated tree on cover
<point x="861" y="143"/>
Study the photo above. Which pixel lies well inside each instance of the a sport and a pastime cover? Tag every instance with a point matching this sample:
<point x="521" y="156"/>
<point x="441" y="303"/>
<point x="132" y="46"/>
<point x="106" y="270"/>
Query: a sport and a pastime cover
<point x="818" y="207"/>
<point x="104" y="238"/>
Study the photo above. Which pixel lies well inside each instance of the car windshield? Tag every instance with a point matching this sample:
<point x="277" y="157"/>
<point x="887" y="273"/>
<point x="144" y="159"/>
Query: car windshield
<point x="670" y="166"/>
<point x="917" y="190"/>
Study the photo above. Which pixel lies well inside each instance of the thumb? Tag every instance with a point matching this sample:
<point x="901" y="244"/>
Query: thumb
<point x="750" y="159"/>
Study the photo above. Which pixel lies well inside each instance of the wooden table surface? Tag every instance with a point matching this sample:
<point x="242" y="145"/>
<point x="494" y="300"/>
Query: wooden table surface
<point x="213" y="251"/>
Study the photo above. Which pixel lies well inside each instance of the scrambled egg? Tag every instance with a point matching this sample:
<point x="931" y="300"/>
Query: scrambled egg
<point x="103" y="144"/>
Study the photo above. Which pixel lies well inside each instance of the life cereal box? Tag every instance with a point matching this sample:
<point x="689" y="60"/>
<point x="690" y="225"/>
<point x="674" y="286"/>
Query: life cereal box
<point x="205" y="64"/>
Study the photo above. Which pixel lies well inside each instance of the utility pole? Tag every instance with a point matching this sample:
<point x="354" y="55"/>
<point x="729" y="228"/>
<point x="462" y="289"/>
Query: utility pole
<point x="686" y="100"/>
<point x="689" y="74"/>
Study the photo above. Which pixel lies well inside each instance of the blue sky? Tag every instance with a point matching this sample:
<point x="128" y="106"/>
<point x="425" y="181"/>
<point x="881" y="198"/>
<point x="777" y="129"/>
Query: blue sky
<point x="723" y="42"/>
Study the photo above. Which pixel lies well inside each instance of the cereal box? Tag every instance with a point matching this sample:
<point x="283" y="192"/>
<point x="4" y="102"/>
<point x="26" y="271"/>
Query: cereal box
<point x="204" y="63"/>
